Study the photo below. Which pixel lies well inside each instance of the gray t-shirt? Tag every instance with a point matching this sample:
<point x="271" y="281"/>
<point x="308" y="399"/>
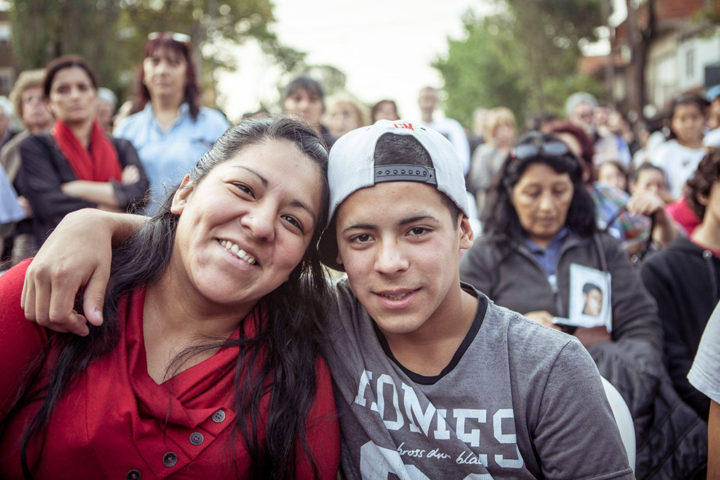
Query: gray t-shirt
<point x="518" y="400"/>
<point x="705" y="372"/>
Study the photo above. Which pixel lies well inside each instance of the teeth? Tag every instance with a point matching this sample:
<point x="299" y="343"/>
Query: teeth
<point x="237" y="251"/>
<point x="398" y="296"/>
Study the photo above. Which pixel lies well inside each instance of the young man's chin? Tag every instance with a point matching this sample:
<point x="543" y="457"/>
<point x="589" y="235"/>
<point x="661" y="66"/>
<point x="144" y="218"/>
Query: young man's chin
<point x="398" y="324"/>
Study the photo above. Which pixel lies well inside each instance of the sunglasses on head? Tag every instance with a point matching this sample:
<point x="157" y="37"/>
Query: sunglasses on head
<point x="178" y="37"/>
<point x="553" y="148"/>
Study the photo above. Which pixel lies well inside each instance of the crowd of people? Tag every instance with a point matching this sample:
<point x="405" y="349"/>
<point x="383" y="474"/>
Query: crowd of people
<point x="415" y="300"/>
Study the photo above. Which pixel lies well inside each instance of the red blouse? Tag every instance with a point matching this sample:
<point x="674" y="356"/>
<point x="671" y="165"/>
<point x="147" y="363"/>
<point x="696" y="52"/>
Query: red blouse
<point x="116" y="422"/>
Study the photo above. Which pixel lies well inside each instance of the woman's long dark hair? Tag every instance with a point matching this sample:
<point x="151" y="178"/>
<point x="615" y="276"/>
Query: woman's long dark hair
<point x="500" y="220"/>
<point x="279" y="361"/>
<point x="192" y="92"/>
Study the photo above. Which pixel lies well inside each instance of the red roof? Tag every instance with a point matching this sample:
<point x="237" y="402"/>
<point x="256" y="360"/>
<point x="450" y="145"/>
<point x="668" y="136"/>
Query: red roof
<point x="666" y="10"/>
<point x="594" y="64"/>
<point x="674" y="9"/>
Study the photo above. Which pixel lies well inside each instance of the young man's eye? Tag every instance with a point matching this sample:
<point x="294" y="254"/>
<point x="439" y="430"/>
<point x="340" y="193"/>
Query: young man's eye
<point x="361" y="238"/>
<point x="418" y="231"/>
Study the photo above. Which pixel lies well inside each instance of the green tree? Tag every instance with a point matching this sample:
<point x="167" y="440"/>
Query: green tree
<point x="524" y="58"/>
<point x="43" y="30"/>
<point x="110" y="34"/>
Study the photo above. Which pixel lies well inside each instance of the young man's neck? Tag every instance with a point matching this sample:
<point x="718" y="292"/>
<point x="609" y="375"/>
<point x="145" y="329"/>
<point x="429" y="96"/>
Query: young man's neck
<point x="428" y="351"/>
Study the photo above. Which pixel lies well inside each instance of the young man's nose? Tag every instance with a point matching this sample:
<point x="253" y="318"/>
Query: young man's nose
<point x="390" y="258"/>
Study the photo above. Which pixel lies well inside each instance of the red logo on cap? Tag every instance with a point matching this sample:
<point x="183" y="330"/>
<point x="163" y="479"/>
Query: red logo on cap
<point x="409" y="126"/>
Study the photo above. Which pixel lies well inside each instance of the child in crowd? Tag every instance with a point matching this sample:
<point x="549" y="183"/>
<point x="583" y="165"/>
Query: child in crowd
<point x="613" y="173"/>
<point x="680" y="155"/>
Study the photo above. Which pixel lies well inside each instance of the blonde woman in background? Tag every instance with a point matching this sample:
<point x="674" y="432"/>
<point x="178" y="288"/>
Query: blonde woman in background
<point x="488" y="158"/>
<point x="346" y="113"/>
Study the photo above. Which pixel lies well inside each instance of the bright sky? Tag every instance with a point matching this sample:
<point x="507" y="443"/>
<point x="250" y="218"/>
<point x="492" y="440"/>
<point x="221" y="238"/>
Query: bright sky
<point x="385" y="47"/>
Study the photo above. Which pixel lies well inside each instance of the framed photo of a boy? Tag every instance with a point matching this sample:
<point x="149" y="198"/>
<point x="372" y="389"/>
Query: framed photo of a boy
<point x="590" y="303"/>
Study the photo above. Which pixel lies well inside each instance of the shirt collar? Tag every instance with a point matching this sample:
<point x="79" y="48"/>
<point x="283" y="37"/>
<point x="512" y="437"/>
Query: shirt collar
<point x="556" y="241"/>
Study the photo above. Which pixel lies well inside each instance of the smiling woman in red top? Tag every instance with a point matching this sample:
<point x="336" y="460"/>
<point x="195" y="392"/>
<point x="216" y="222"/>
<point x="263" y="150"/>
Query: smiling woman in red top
<point x="206" y="365"/>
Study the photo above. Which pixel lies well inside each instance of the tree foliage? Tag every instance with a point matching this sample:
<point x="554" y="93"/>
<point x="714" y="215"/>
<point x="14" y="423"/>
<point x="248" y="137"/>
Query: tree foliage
<point x="111" y="34"/>
<point x="524" y="58"/>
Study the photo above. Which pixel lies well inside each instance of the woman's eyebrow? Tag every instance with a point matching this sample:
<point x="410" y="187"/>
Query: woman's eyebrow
<point x="294" y="203"/>
<point x="307" y="208"/>
<point x="262" y="179"/>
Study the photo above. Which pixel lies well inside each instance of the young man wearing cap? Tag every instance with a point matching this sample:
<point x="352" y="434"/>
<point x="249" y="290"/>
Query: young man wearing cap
<point x="432" y="379"/>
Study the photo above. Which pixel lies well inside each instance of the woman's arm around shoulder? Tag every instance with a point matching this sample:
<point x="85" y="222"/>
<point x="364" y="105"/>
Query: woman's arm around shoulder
<point x="77" y="255"/>
<point x="20" y="340"/>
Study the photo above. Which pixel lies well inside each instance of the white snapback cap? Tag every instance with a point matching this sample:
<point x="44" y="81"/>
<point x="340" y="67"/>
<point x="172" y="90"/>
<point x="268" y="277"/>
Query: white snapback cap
<point x="352" y="167"/>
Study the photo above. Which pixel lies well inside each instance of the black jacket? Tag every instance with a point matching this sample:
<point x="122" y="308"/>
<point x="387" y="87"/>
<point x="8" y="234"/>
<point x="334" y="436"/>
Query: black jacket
<point x="44" y="169"/>
<point x="671" y="438"/>
<point x="685" y="281"/>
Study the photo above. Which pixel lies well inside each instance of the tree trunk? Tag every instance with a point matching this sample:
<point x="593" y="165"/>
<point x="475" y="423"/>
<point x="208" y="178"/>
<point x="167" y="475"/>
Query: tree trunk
<point x="610" y="65"/>
<point x="640" y="41"/>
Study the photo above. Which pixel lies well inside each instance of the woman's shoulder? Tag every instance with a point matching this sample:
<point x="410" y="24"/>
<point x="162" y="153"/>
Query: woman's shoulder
<point x="491" y="246"/>
<point x="131" y="123"/>
<point x="16" y="333"/>
<point x="44" y="138"/>
<point x="11" y="283"/>
<point x="681" y="252"/>
<point x="120" y="143"/>
<point x="486" y="254"/>
<point x="34" y="146"/>
<point x="211" y="116"/>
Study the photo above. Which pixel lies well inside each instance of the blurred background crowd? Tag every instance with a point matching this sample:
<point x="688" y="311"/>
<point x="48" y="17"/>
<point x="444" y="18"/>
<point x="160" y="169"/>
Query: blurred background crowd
<point x="116" y="127"/>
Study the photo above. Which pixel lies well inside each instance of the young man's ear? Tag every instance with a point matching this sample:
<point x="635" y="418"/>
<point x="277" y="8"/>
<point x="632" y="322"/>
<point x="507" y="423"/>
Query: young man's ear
<point x="466" y="232"/>
<point x="182" y="195"/>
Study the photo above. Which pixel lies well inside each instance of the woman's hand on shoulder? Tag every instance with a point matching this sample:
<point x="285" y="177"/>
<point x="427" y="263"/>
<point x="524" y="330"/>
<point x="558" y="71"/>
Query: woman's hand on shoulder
<point x="77" y="255"/>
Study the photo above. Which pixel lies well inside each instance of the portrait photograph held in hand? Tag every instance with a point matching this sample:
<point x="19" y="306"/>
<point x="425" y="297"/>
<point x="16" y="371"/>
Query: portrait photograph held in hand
<point x="590" y="303"/>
